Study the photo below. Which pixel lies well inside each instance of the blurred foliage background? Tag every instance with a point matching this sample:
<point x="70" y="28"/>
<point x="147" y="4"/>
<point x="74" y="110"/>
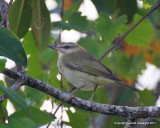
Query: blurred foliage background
<point x="30" y="24"/>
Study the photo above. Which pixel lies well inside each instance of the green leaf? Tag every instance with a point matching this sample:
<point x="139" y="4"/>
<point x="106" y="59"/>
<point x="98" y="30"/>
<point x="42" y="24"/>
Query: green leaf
<point x="124" y="66"/>
<point x="62" y="25"/>
<point x="107" y="6"/>
<point x="3" y="108"/>
<point x="53" y="73"/>
<point x="32" y="50"/>
<point x="149" y="101"/>
<point x="127" y="8"/>
<point x="38" y="116"/>
<point x="21" y="122"/>
<point x="79" y="119"/>
<point x="4" y="126"/>
<point x="11" y="47"/>
<point x="75" y="21"/>
<point x="15" y="98"/>
<point x="108" y="29"/>
<point x="74" y="8"/>
<point x="116" y="119"/>
<point x="30" y="46"/>
<point x="102" y="24"/>
<point x="34" y="68"/>
<point x="99" y="96"/>
<point x="91" y="45"/>
<point x="2" y="83"/>
<point x="94" y="45"/>
<point x="148" y="3"/>
<point x="142" y="34"/>
<point x="127" y="97"/>
<point x="2" y="64"/>
<point x="47" y="55"/>
<point x="115" y="8"/>
<point x="131" y="67"/>
<point x="154" y="19"/>
<point x="41" y="24"/>
<point x="156" y="60"/>
<point x="20" y="15"/>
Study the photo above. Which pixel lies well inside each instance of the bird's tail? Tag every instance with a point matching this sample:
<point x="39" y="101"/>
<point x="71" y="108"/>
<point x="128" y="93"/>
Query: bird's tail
<point x="125" y="85"/>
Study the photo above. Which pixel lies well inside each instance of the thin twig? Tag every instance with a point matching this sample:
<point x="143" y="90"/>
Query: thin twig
<point x="57" y="109"/>
<point x="93" y="120"/>
<point x="52" y="103"/>
<point x="61" y="14"/>
<point x="53" y="115"/>
<point x="61" y="117"/>
<point x="122" y="38"/>
<point x="62" y="9"/>
<point x="61" y="104"/>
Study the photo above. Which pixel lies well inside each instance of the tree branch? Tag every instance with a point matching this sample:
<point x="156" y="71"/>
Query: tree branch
<point x="4" y="9"/>
<point x="124" y="111"/>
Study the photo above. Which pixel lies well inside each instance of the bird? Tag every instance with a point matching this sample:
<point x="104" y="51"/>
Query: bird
<point x="83" y="70"/>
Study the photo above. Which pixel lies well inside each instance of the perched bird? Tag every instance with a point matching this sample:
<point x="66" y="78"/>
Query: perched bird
<point x="82" y="70"/>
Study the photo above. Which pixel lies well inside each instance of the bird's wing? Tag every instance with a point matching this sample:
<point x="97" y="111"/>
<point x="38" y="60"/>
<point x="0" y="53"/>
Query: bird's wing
<point x="87" y="65"/>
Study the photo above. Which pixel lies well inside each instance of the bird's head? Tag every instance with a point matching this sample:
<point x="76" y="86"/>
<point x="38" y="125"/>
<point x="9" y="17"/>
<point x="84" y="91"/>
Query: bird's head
<point x="65" y="48"/>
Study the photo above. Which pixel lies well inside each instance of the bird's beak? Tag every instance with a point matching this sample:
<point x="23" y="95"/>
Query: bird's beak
<point x="52" y="47"/>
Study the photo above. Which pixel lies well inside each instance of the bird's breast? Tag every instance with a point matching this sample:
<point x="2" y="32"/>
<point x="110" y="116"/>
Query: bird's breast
<point x="60" y="66"/>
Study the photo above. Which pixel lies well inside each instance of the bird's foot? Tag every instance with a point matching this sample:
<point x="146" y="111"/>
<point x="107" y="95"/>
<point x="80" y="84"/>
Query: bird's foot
<point x="73" y="94"/>
<point x="90" y="100"/>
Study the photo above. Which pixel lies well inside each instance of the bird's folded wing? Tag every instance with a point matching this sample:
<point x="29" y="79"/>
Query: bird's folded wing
<point x="87" y="65"/>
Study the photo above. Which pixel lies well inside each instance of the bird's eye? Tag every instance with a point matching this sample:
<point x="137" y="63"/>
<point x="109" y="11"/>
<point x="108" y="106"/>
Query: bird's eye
<point x="66" y="47"/>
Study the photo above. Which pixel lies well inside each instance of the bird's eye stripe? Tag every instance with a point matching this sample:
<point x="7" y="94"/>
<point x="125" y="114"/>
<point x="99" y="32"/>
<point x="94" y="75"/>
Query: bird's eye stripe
<point x="67" y="47"/>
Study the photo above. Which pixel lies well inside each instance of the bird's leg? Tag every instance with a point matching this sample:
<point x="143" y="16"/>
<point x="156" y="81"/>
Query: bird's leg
<point x="74" y="89"/>
<point x="90" y="99"/>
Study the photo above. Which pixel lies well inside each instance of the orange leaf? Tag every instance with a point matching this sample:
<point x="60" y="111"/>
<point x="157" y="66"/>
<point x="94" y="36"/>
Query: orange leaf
<point x="67" y="4"/>
<point x="149" y="54"/>
<point x="128" y="81"/>
<point x="157" y="46"/>
<point x="131" y="50"/>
